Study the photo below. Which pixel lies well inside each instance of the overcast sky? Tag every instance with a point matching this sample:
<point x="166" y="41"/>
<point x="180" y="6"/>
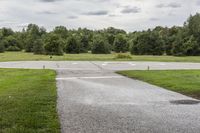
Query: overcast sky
<point x="129" y="15"/>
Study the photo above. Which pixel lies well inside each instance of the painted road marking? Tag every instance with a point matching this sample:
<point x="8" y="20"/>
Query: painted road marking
<point x="107" y="63"/>
<point x="100" y="77"/>
<point x="132" y="64"/>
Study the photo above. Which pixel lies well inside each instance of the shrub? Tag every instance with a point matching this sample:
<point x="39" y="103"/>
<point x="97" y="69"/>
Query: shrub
<point x="123" y="56"/>
<point x="13" y="48"/>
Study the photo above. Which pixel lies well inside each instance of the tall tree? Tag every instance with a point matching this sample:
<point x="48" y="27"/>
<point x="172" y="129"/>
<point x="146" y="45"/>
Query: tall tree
<point x="73" y="46"/>
<point x="62" y="31"/>
<point x="100" y="45"/>
<point x="121" y="44"/>
<point x="38" y="46"/>
<point x="53" y="44"/>
<point x="33" y="33"/>
<point x="147" y="43"/>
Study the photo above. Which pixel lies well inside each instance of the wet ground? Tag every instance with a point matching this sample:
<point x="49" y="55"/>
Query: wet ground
<point x="93" y="99"/>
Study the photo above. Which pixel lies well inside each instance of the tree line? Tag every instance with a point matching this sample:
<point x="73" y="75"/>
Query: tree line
<point x="177" y="41"/>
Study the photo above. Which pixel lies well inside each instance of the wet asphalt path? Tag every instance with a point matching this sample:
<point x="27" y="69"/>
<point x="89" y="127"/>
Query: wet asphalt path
<point x="93" y="99"/>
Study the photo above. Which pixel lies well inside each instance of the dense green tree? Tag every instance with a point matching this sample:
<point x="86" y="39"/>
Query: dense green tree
<point x="169" y="36"/>
<point x="121" y="44"/>
<point x="100" y="45"/>
<point x="147" y="43"/>
<point x="184" y="40"/>
<point x="38" y="46"/>
<point x="12" y="44"/>
<point x="111" y="33"/>
<point x="193" y="25"/>
<point x="33" y="33"/>
<point x="2" y="47"/>
<point x="53" y="45"/>
<point x="191" y="47"/>
<point x="84" y="44"/>
<point x="73" y="45"/>
<point x="62" y="31"/>
<point x="177" y="48"/>
<point x="7" y="32"/>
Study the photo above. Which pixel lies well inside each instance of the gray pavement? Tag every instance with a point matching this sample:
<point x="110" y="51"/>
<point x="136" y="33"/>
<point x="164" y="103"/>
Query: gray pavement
<point x="93" y="99"/>
<point x="99" y="65"/>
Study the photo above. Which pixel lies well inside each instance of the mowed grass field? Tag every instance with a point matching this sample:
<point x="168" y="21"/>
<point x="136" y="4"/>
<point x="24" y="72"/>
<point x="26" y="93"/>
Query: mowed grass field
<point x="22" y="56"/>
<point x="28" y="101"/>
<point x="186" y="82"/>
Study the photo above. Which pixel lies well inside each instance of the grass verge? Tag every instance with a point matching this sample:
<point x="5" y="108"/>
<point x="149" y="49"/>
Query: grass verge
<point x="22" y="56"/>
<point x="186" y="82"/>
<point x="28" y="101"/>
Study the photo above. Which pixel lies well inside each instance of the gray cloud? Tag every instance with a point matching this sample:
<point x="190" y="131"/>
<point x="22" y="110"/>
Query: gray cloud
<point x="96" y="13"/>
<point x="113" y="15"/>
<point x="50" y="13"/>
<point x="170" y="5"/>
<point x="174" y="5"/>
<point x="47" y="12"/>
<point x="129" y="9"/>
<point x="154" y="19"/>
<point x="72" y="17"/>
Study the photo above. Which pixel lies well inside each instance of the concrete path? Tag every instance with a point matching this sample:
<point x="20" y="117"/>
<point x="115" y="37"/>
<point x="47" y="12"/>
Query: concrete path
<point x="93" y="99"/>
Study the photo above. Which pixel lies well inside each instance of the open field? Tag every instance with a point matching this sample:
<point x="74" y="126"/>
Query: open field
<point x="28" y="101"/>
<point x="21" y="56"/>
<point x="186" y="82"/>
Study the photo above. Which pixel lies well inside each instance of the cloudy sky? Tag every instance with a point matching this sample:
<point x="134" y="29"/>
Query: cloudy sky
<point x="129" y="15"/>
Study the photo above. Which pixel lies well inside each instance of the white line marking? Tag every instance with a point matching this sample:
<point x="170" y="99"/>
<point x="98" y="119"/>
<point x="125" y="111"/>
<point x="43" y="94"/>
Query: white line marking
<point x="132" y="64"/>
<point x="73" y="69"/>
<point x="107" y="63"/>
<point x="102" y="77"/>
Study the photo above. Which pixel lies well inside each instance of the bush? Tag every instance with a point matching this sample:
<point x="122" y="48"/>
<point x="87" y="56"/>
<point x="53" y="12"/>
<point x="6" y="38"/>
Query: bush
<point x="100" y="45"/>
<point x="73" y="46"/>
<point x="53" y="45"/>
<point x="123" y="56"/>
<point x="13" y="48"/>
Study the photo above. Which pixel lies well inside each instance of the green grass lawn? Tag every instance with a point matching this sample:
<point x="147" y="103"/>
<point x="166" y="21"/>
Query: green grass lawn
<point x="186" y="82"/>
<point x="22" y="56"/>
<point x="28" y="101"/>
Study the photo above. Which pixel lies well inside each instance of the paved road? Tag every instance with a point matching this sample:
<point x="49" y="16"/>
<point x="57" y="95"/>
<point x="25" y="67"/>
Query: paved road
<point x="93" y="99"/>
<point x="98" y="65"/>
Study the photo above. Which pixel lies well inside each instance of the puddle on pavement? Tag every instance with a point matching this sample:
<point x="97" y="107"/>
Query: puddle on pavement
<point x="185" y="102"/>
